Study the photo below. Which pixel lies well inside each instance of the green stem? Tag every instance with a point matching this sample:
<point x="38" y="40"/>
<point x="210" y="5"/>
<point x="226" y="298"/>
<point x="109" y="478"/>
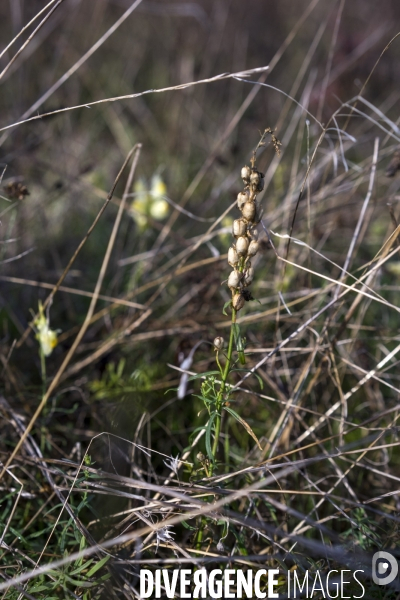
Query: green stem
<point x="225" y="373"/>
<point x="220" y="396"/>
<point x="43" y="368"/>
<point x="200" y="533"/>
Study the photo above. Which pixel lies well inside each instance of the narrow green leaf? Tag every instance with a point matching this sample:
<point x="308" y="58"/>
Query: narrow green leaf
<point x="208" y="435"/>
<point x="82" y="567"/>
<point x="229" y="303"/>
<point x="98" y="565"/>
<point x="244" y="423"/>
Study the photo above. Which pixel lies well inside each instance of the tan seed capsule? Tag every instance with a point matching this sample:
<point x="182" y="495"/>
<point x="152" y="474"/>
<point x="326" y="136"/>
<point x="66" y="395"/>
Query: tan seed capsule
<point x="242" y="198"/>
<point x="242" y="244"/>
<point x="253" y="233"/>
<point x="253" y="248"/>
<point x="245" y="174"/>
<point x="233" y="257"/>
<point x="239" y="227"/>
<point x="248" y="276"/>
<point x="255" y="179"/>
<point x="237" y="301"/>
<point x="218" y="343"/>
<point x="249" y="211"/>
<point x="234" y="280"/>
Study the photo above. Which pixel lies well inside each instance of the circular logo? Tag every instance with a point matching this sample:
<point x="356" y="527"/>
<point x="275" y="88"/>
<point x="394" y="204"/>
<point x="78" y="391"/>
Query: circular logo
<point x="384" y="568"/>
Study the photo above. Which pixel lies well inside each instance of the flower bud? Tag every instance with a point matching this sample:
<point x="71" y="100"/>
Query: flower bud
<point x="248" y="276"/>
<point x="218" y="343"/>
<point x="233" y="257"/>
<point x="253" y="248"/>
<point x="237" y="301"/>
<point x="239" y="227"/>
<point x="234" y="279"/>
<point x="242" y="198"/>
<point x="242" y="244"/>
<point x="249" y="211"/>
<point x="245" y="174"/>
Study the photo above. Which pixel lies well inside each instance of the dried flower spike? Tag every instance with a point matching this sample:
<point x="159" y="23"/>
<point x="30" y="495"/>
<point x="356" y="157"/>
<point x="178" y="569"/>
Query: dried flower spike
<point x="243" y="229"/>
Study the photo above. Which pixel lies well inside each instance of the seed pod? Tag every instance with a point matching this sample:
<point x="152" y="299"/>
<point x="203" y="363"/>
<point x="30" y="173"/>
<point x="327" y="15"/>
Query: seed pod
<point x="253" y="248"/>
<point x="237" y="301"/>
<point x="253" y="233"/>
<point x="218" y="343"/>
<point x="245" y="174"/>
<point x="234" y="280"/>
<point x="233" y="257"/>
<point x="242" y="198"/>
<point x="242" y="244"/>
<point x="249" y="211"/>
<point x="239" y="227"/>
<point x="248" y="276"/>
<point x="255" y="179"/>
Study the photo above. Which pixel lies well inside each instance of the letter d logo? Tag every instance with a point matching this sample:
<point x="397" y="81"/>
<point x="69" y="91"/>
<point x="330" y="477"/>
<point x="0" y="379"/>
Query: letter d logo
<point x="384" y="568"/>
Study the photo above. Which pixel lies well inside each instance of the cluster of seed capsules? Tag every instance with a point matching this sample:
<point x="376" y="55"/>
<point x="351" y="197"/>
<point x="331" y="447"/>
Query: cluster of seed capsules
<point x="246" y="237"/>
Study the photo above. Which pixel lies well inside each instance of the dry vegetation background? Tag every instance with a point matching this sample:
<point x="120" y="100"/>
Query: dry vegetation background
<point x="327" y="415"/>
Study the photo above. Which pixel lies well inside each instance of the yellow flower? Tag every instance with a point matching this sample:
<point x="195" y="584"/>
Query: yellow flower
<point x="46" y="337"/>
<point x="159" y="209"/>
<point x="149" y="202"/>
<point x="158" y="187"/>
